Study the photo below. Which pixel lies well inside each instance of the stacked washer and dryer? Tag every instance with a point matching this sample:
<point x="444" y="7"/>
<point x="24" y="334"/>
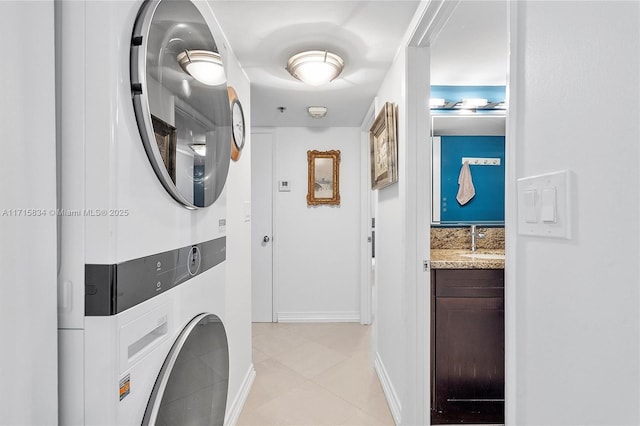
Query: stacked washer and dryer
<point x="143" y="158"/>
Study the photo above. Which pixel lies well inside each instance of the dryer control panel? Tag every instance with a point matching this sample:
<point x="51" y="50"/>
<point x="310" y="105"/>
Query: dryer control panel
<point x="111" y="289"/>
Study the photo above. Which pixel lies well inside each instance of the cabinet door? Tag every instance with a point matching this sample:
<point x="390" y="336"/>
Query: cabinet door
<point x="468" y="371"/>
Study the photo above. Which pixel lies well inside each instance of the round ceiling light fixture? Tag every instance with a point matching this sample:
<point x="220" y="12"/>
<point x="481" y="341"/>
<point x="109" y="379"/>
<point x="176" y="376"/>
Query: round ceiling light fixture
<point x="315" y="67"/>
<point x="203" y="65"/>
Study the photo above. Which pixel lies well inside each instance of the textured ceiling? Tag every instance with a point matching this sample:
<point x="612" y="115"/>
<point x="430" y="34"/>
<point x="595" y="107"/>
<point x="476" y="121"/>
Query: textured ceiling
<point x="367" y="34"/>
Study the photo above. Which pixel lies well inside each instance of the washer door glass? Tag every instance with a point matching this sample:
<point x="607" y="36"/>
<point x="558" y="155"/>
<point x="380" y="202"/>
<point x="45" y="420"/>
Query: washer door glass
<point x="191" y="388"/>
<point x="181" y="102"/>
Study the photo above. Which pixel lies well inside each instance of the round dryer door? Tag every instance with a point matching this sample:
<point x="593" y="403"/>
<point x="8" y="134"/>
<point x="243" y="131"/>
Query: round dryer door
<point x="192" y="386"/>
<point x="180" y="98"/>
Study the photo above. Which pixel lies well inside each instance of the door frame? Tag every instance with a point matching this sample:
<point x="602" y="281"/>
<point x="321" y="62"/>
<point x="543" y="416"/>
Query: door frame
<point x="274" y="243"/>
<point x="366" y="297"/>
<point x="418" y="208"/>
<point x="434" y="17"/>
<point x="511" y="220"/>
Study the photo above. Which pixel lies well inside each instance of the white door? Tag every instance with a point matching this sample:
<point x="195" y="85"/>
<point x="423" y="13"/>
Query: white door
<point x="262" y="227"/>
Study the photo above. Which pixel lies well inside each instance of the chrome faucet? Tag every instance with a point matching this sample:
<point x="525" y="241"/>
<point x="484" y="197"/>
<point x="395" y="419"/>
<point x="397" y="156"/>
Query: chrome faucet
<point x="474" y="236"/>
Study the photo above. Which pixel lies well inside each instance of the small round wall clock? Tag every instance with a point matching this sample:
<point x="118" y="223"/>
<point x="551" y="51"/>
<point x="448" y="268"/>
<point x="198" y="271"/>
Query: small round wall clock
<point x="237" y="125"/>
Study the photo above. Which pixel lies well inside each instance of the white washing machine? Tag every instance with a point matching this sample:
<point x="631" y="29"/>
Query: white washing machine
<point x="143" y="155"/>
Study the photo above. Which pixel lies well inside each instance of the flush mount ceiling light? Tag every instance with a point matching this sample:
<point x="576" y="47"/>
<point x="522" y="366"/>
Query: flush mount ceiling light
<point x="203" y="65"/>
<point x="315" y="67"/>
<point x="317" y="111"/>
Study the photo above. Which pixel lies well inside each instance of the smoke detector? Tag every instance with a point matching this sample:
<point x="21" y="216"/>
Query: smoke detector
<point x="317" y="111"/>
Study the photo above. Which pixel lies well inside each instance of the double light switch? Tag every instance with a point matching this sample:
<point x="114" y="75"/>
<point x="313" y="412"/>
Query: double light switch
<point x="543" y="205"/>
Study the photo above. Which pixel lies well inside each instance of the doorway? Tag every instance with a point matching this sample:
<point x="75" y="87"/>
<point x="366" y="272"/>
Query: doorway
<point x="435" y="22"/>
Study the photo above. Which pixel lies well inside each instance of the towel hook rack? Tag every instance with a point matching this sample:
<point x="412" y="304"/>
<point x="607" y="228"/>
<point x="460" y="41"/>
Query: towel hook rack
<point x="480" y="161"/>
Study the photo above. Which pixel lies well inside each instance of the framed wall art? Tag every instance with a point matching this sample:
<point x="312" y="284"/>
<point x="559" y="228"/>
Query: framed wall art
<point x="166" y="139"/>
<point x="324" y="178"/>
<point x="384" y="148"/>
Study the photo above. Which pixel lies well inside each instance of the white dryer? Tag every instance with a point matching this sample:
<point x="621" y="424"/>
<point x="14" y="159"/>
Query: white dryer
<point x="143" y="158"/>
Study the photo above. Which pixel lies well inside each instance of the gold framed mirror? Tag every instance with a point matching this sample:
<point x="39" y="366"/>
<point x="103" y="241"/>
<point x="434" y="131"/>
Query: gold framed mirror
<point x="324" y="178"/>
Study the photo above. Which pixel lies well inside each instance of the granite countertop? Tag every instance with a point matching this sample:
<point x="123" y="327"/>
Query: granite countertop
<point x="466" y="259"/>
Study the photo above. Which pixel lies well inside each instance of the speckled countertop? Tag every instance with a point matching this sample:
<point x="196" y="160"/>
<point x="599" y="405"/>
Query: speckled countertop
<point x="466" y="259"/>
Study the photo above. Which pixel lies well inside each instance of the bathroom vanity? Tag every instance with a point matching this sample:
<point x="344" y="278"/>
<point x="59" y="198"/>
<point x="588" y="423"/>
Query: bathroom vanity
<point x="467" y="269"/>
<point x="467" y="336"/>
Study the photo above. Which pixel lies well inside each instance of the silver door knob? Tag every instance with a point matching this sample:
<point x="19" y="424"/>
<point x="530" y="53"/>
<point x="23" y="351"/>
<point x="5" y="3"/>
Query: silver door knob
<point x="265" y="239"/>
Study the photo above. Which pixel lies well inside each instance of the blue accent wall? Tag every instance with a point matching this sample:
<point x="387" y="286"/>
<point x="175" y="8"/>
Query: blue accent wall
<point x="488" y="203"/>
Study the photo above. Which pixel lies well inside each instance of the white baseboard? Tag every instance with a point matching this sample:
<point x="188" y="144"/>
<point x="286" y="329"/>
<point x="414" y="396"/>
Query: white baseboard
<point x="389" y="391"/>
<point x="348" y="316"/>
<point x="233" y="413"/>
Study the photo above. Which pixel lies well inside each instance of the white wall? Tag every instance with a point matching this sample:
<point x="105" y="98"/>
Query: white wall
<point x="392" y="291"/>
<point x="317" y="262"/>
<point x="28" y="359"/>
<point x="401" y="328"/>
<point x="575" y="303"/>
<point x="238" y="264"/>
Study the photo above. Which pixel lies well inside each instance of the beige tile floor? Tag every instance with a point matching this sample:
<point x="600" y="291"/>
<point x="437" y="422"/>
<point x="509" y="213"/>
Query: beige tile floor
<point x="314" y="374"/>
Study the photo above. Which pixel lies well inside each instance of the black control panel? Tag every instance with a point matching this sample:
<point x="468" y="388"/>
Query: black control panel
<point x="111" y="289"/>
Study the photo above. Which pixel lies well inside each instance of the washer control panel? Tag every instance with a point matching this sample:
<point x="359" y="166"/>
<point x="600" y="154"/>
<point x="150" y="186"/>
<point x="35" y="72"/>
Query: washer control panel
<point x="193" y="261"/>
<point x="111" y="289"/>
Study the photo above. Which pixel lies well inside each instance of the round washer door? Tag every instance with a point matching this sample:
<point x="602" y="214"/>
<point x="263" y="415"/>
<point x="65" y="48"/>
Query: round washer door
<point x="191" y="388"/>
<point x="180" y="99"/>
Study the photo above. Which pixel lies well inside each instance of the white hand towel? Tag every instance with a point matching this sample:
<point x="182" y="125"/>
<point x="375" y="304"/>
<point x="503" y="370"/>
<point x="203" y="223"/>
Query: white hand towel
<point x="466" y="191"/>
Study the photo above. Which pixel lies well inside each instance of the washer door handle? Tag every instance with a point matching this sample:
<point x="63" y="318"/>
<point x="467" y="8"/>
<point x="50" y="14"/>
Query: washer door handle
<point x="266" y="239"/>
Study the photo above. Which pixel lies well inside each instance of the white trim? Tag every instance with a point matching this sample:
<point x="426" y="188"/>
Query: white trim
<point x="389" y="392"/>
<point x="346" y="316"/>
<point x="365" y="218"/>
<point x="417" y="235"/>
<point x="275" y="295"/>
<point x="432" y="20"/>
<point x="510" y="221"/>
<point x="233" y="413"/>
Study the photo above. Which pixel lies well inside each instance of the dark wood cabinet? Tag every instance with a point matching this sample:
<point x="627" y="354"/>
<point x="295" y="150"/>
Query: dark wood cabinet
<point x="467" y="346"/>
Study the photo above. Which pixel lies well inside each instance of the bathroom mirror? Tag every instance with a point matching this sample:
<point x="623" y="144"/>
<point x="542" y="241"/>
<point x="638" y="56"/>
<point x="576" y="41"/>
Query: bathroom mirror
<point x="180" y="99"/>
<point x="480" y="139"/>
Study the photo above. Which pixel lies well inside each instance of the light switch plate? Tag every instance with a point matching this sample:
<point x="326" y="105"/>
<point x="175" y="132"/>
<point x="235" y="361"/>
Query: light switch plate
<point x="551" y="205"/>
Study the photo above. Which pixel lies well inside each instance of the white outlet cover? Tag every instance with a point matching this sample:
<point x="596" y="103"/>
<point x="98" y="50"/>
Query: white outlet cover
<point x="560" y="182"/>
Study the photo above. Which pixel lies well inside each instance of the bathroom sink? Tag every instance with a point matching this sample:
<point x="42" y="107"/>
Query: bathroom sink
<point x="484" y="256"/>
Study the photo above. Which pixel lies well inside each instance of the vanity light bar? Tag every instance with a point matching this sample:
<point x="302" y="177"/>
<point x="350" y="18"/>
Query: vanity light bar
<point x="441" y="104"/>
